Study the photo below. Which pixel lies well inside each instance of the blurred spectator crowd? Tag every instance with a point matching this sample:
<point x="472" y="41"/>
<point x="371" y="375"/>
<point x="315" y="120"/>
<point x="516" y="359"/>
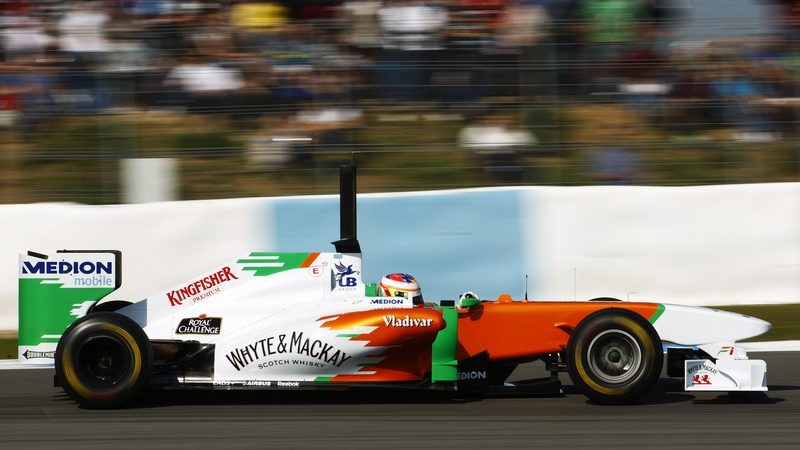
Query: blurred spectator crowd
<point x="320" y="61"/>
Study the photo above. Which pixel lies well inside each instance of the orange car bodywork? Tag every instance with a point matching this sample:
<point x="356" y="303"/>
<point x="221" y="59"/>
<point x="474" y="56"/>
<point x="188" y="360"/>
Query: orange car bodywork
<point x="402" y="353"/>
<point x="519" y="330"/>
<point x="505" y="329"/>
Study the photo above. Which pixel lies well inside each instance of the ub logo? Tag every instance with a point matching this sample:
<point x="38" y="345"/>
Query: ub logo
<point x="342" y="278"/>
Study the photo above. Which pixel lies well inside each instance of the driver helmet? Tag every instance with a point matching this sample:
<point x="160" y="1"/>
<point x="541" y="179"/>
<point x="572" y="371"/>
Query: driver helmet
<point x="401" y="285"/>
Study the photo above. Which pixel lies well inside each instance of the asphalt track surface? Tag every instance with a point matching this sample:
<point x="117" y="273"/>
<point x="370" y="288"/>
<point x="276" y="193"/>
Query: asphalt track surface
<point x="33" y="414"/>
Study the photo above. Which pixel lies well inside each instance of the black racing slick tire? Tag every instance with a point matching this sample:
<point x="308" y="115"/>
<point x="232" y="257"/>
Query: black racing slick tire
<point x="614" y="356"/>
<point x="103" y="360"/>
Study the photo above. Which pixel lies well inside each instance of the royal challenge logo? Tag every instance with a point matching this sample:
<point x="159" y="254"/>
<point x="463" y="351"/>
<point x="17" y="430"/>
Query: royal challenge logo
<point x="199" y="325"/>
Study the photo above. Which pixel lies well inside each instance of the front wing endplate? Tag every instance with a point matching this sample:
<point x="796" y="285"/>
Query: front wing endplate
<point x="725" y="375"/>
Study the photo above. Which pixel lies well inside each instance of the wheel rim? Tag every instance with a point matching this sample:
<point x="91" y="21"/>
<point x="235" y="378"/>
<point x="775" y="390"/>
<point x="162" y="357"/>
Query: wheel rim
<point x="103" y="361"/>
<point x="614" y="356"/>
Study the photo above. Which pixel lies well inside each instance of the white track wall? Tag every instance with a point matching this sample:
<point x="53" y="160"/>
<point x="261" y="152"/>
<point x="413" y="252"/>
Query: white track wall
<point x="711" y="245"/>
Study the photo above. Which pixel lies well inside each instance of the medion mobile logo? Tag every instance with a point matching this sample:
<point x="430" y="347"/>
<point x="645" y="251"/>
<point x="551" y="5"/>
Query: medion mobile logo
<point x="200" y="325"/>
<point x="82" y="273"/>
<point x="68" y="268"/>
<point x="200" y="288"/>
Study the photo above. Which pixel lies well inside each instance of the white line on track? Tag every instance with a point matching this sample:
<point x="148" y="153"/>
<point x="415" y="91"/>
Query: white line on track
<point x="14" y="364"/>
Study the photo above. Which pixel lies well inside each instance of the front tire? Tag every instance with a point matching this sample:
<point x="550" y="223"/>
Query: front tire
<point x="614" y="356"/>
<point x="103" y="360"/>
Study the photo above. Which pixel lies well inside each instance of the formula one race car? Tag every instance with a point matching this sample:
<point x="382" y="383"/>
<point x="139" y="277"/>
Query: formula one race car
<point x="308" y="321"/>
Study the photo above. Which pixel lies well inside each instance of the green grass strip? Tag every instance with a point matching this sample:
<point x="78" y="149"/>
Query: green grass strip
<point x="8" y="348"/>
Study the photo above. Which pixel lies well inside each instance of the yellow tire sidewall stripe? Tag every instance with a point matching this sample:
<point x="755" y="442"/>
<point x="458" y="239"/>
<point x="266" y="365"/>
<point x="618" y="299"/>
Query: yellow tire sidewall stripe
<point x="647" y="349"/>
<point x="71" y="375"/>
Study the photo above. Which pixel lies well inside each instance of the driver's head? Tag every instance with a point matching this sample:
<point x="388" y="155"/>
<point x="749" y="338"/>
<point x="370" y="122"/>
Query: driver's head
<point x="401" y="285"/>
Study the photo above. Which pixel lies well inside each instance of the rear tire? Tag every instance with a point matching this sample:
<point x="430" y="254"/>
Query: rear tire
<point x="103" y="360"/>
<point x="614" y="356"/>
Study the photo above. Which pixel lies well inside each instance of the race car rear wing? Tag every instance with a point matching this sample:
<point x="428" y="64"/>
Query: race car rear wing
<point x="55" y="290"/>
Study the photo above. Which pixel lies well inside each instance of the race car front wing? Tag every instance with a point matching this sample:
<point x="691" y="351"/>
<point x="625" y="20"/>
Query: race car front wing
<point x="730" y="370"/>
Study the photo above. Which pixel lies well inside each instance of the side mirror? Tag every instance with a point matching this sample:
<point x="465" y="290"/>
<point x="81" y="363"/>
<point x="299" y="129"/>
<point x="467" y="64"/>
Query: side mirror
<point x="468" y="302"/>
